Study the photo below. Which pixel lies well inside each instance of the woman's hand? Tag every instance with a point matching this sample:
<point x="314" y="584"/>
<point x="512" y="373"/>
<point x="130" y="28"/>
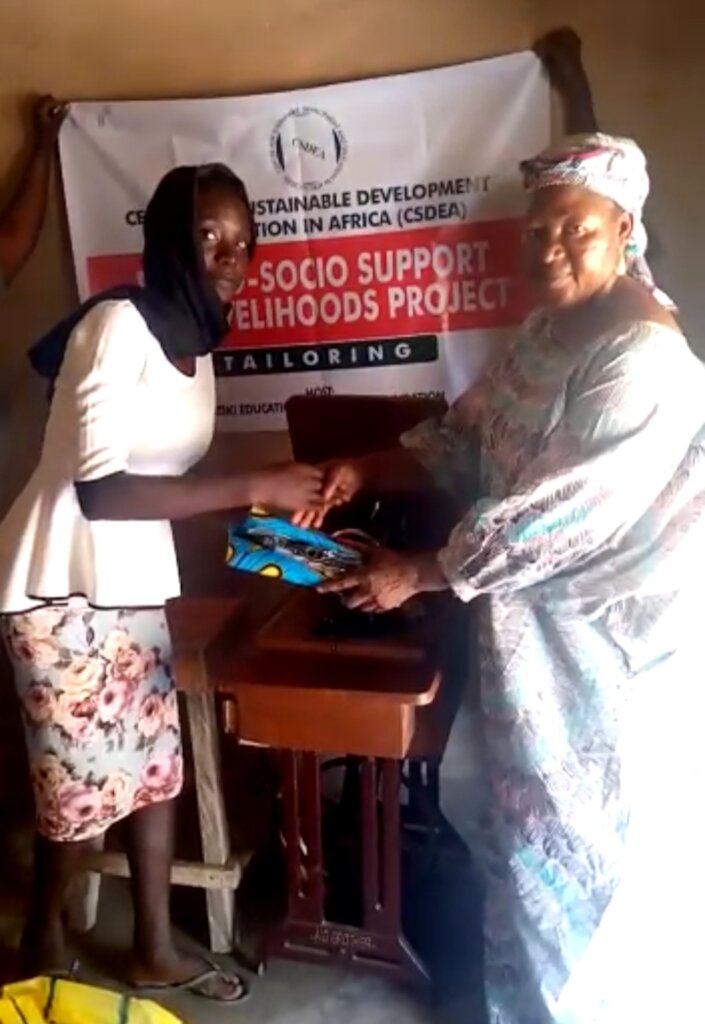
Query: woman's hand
<point x="293" y="487"/>
<point x="49" y="115"/>
<point x="342" y="480"/>
<point x="387" y="580"/>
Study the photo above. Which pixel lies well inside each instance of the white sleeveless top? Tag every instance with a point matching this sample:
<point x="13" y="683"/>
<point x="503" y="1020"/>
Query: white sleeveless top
<point x="119" y="406"/>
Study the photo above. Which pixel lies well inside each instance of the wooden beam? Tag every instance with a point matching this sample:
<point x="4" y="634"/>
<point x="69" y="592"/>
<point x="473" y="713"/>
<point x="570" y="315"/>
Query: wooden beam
<point x="203" y="876"/>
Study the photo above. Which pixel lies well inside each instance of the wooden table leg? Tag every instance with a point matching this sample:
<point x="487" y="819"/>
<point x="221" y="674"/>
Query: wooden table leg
<point x="302" y="775"/>
<point x="381" y="866"/>
<point x="215" y="836"/>
<point x="307" y="934"/>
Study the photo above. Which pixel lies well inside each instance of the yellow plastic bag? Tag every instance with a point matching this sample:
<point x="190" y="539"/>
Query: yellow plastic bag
<point x="48" y="1001"/>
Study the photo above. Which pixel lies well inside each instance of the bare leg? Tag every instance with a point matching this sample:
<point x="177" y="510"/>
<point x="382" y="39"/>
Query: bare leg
<point x="43" y="941"/>
<point x="150" y="851"/>
<point x="157" y="961"/>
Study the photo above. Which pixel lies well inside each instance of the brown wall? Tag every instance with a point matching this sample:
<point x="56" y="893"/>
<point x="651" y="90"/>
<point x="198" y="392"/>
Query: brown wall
<point x="645" y="61"/>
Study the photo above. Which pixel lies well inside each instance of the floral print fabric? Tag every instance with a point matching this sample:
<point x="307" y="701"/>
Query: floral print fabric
<point x="100" y="714"/>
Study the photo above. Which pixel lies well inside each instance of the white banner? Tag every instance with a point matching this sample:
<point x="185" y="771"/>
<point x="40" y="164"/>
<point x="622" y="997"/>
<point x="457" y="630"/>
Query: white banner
<point x="388" y="223"/>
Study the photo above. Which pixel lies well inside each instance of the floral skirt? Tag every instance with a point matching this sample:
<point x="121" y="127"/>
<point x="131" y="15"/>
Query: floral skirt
<point x="100" y="713"/>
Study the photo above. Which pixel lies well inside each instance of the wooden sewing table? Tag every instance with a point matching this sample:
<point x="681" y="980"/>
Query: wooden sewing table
<point x="311" y="702"/>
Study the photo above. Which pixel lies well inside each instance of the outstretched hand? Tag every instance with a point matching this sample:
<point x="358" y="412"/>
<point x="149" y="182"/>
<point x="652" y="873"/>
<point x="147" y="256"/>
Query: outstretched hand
<point x="386" y="581"/>
<point x="293" y="487"/>
<point x="342" y="480"/>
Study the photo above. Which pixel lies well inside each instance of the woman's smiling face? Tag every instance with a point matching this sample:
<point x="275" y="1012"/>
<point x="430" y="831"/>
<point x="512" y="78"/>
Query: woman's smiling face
<point x="574" y="244"/>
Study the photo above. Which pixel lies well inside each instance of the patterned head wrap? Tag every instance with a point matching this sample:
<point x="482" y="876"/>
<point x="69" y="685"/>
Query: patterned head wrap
<point x="610" y="167"/>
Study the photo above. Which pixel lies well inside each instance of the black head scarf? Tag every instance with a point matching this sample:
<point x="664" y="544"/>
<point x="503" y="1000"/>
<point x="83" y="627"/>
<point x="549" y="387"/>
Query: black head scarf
<point x="178" y="301"/>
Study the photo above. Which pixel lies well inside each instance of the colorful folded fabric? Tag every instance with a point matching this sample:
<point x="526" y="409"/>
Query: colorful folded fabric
<point x="273" y="547"/>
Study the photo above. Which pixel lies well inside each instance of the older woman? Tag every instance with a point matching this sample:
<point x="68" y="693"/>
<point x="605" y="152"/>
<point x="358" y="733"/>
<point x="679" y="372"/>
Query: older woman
<point x="584" y="554"/>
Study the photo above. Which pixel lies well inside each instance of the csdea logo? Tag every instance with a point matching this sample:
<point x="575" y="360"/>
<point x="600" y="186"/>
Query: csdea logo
<point x="308" y="147"/>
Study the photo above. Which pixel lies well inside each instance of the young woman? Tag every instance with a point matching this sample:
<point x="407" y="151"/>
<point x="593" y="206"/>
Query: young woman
<point x="87" y="559"/>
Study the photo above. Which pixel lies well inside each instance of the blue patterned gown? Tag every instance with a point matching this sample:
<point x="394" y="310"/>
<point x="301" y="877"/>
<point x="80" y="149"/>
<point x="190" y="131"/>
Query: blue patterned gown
<point x="588" y="555"/>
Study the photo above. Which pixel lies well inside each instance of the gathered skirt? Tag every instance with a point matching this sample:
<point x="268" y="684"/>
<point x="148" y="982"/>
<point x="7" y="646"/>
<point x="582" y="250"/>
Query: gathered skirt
<point x="100" y="714"/>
